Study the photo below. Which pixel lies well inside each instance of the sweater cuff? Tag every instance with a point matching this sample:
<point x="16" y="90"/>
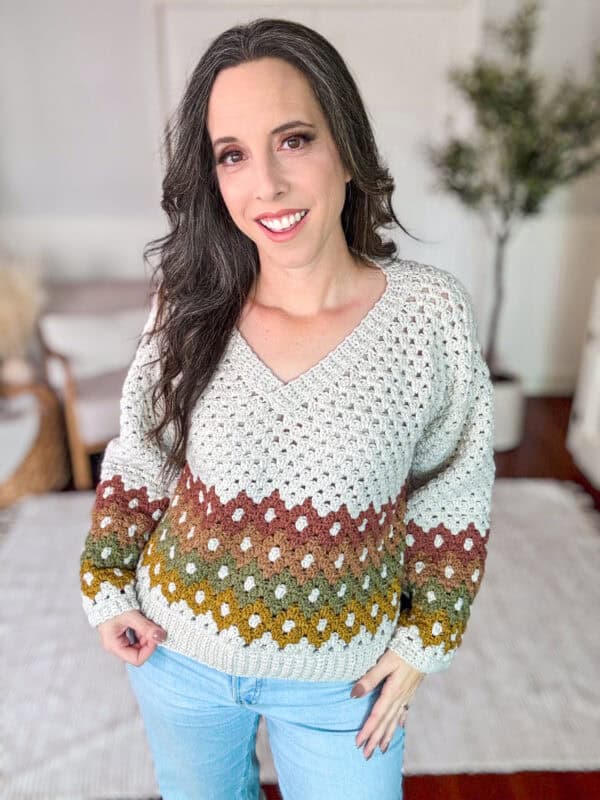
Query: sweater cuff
<point x="110" y="602"/>
<point x="406" y="642"/>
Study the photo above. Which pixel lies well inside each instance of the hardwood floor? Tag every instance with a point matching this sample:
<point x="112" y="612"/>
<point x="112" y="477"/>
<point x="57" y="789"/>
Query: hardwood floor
<point x="542" y="453"/>
<point x="514" y="786"/>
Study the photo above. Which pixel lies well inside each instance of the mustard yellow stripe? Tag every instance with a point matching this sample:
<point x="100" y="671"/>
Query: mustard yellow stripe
<point x="254" y="619"/>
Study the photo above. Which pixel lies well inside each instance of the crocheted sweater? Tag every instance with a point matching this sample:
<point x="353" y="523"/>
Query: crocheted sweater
<point x="317" y="522"/>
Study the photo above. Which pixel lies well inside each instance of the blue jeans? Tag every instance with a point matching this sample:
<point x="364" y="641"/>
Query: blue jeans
<point x="201" y="727"/>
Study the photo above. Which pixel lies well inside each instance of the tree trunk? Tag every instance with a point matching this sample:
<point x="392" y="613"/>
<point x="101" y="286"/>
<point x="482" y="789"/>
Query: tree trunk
<point x="490" y="356"/>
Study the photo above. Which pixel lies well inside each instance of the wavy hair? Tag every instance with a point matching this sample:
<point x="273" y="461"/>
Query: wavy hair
<point x="207" y="266"/>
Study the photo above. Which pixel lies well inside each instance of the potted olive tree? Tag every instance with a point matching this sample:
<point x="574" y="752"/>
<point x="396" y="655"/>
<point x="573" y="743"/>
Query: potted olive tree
<point x="528" y="139"/>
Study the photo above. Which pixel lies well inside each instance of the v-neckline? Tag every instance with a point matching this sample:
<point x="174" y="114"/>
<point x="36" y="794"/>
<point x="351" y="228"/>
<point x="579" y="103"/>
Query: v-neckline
<point x="259" y="376"/>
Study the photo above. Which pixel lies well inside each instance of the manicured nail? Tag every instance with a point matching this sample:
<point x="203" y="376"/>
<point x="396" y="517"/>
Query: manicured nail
<point x="357" y="691"/>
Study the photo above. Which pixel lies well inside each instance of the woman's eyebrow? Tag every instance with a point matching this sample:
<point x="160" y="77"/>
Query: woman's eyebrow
<point x="279" y="129"/>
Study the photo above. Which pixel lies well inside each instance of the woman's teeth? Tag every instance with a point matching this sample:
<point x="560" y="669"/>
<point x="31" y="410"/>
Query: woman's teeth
<point x="283" y="223"/>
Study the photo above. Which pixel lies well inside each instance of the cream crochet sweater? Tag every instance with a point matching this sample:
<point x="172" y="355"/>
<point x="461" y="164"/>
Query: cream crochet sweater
<point x="320" y="521"/>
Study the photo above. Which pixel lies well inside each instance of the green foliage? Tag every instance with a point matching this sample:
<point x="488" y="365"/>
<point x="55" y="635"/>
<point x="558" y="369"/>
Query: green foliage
<point x="529" y="139"/>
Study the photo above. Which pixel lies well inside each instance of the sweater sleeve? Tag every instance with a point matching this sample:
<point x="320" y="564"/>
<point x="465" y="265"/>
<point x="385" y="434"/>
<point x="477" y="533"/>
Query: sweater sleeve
<point x="448" y="499"/>
<point x="129" y="500"/>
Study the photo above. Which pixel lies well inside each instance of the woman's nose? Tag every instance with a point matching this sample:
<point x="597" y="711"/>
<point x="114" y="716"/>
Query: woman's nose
<point x="269" y="180"/>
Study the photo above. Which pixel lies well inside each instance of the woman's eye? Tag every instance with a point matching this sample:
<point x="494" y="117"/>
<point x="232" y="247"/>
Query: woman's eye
<point x="303" y="137"/>
<point x="298" y="136"/>
<point x="226" y="155"/>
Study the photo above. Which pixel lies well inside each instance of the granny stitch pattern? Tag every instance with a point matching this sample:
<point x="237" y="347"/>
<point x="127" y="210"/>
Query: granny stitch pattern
<point x="307" y="508"/>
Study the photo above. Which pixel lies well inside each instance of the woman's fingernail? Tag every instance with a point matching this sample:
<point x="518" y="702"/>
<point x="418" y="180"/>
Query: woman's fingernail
<point x="357" y="691"/>
<point x="160" y="636"/>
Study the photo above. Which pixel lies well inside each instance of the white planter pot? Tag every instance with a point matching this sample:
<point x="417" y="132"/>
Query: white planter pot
<point x="509" y="412"/>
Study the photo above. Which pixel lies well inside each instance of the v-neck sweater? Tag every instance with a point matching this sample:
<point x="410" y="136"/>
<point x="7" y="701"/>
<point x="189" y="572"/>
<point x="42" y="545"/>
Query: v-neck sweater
<point x="319" y="521"/>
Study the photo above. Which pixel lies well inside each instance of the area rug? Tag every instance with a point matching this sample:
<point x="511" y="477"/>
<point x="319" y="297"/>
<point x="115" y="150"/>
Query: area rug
<point x="522" y="693"/>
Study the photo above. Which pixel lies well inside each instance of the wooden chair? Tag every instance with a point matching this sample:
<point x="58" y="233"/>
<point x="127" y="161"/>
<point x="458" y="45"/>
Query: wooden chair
<point x="88" y="333"/>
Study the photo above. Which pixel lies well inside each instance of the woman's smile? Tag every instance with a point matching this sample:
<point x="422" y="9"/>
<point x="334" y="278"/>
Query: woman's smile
<point x="282" y="229"/>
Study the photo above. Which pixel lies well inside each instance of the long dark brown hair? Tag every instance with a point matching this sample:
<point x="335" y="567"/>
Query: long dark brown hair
<point x="207" y="266"/>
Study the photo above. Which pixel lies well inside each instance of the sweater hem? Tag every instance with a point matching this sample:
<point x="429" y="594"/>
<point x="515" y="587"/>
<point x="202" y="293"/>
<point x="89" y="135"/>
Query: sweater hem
<point x="214" y="650"/>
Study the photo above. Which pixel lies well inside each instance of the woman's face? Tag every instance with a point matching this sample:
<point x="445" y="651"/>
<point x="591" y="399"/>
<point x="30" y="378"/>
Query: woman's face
<point x="263" y="170"/>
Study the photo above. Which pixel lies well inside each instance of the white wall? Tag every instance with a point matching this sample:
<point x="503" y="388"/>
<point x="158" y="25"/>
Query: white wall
<point x="82" y="95"/>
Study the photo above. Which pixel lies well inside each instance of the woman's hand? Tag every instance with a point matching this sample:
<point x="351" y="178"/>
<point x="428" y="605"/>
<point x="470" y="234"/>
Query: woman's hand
<point x="389" y="709"/>
<point x="114" y="637"/>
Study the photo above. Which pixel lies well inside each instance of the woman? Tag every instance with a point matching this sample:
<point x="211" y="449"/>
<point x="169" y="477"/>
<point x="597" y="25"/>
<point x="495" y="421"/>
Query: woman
<point x="292" y="522"/>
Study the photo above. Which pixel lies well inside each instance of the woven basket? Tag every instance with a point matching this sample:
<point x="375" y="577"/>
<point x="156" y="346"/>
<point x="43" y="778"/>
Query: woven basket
<point x="46" y="466"/>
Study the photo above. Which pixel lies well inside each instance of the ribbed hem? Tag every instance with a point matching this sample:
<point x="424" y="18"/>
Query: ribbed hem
<point x="335" y="661"/>
<point x="222" y="654"/>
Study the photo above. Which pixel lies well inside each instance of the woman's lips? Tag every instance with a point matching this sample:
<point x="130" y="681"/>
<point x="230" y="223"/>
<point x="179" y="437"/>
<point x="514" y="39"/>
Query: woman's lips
<point x="283" y="236"/>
